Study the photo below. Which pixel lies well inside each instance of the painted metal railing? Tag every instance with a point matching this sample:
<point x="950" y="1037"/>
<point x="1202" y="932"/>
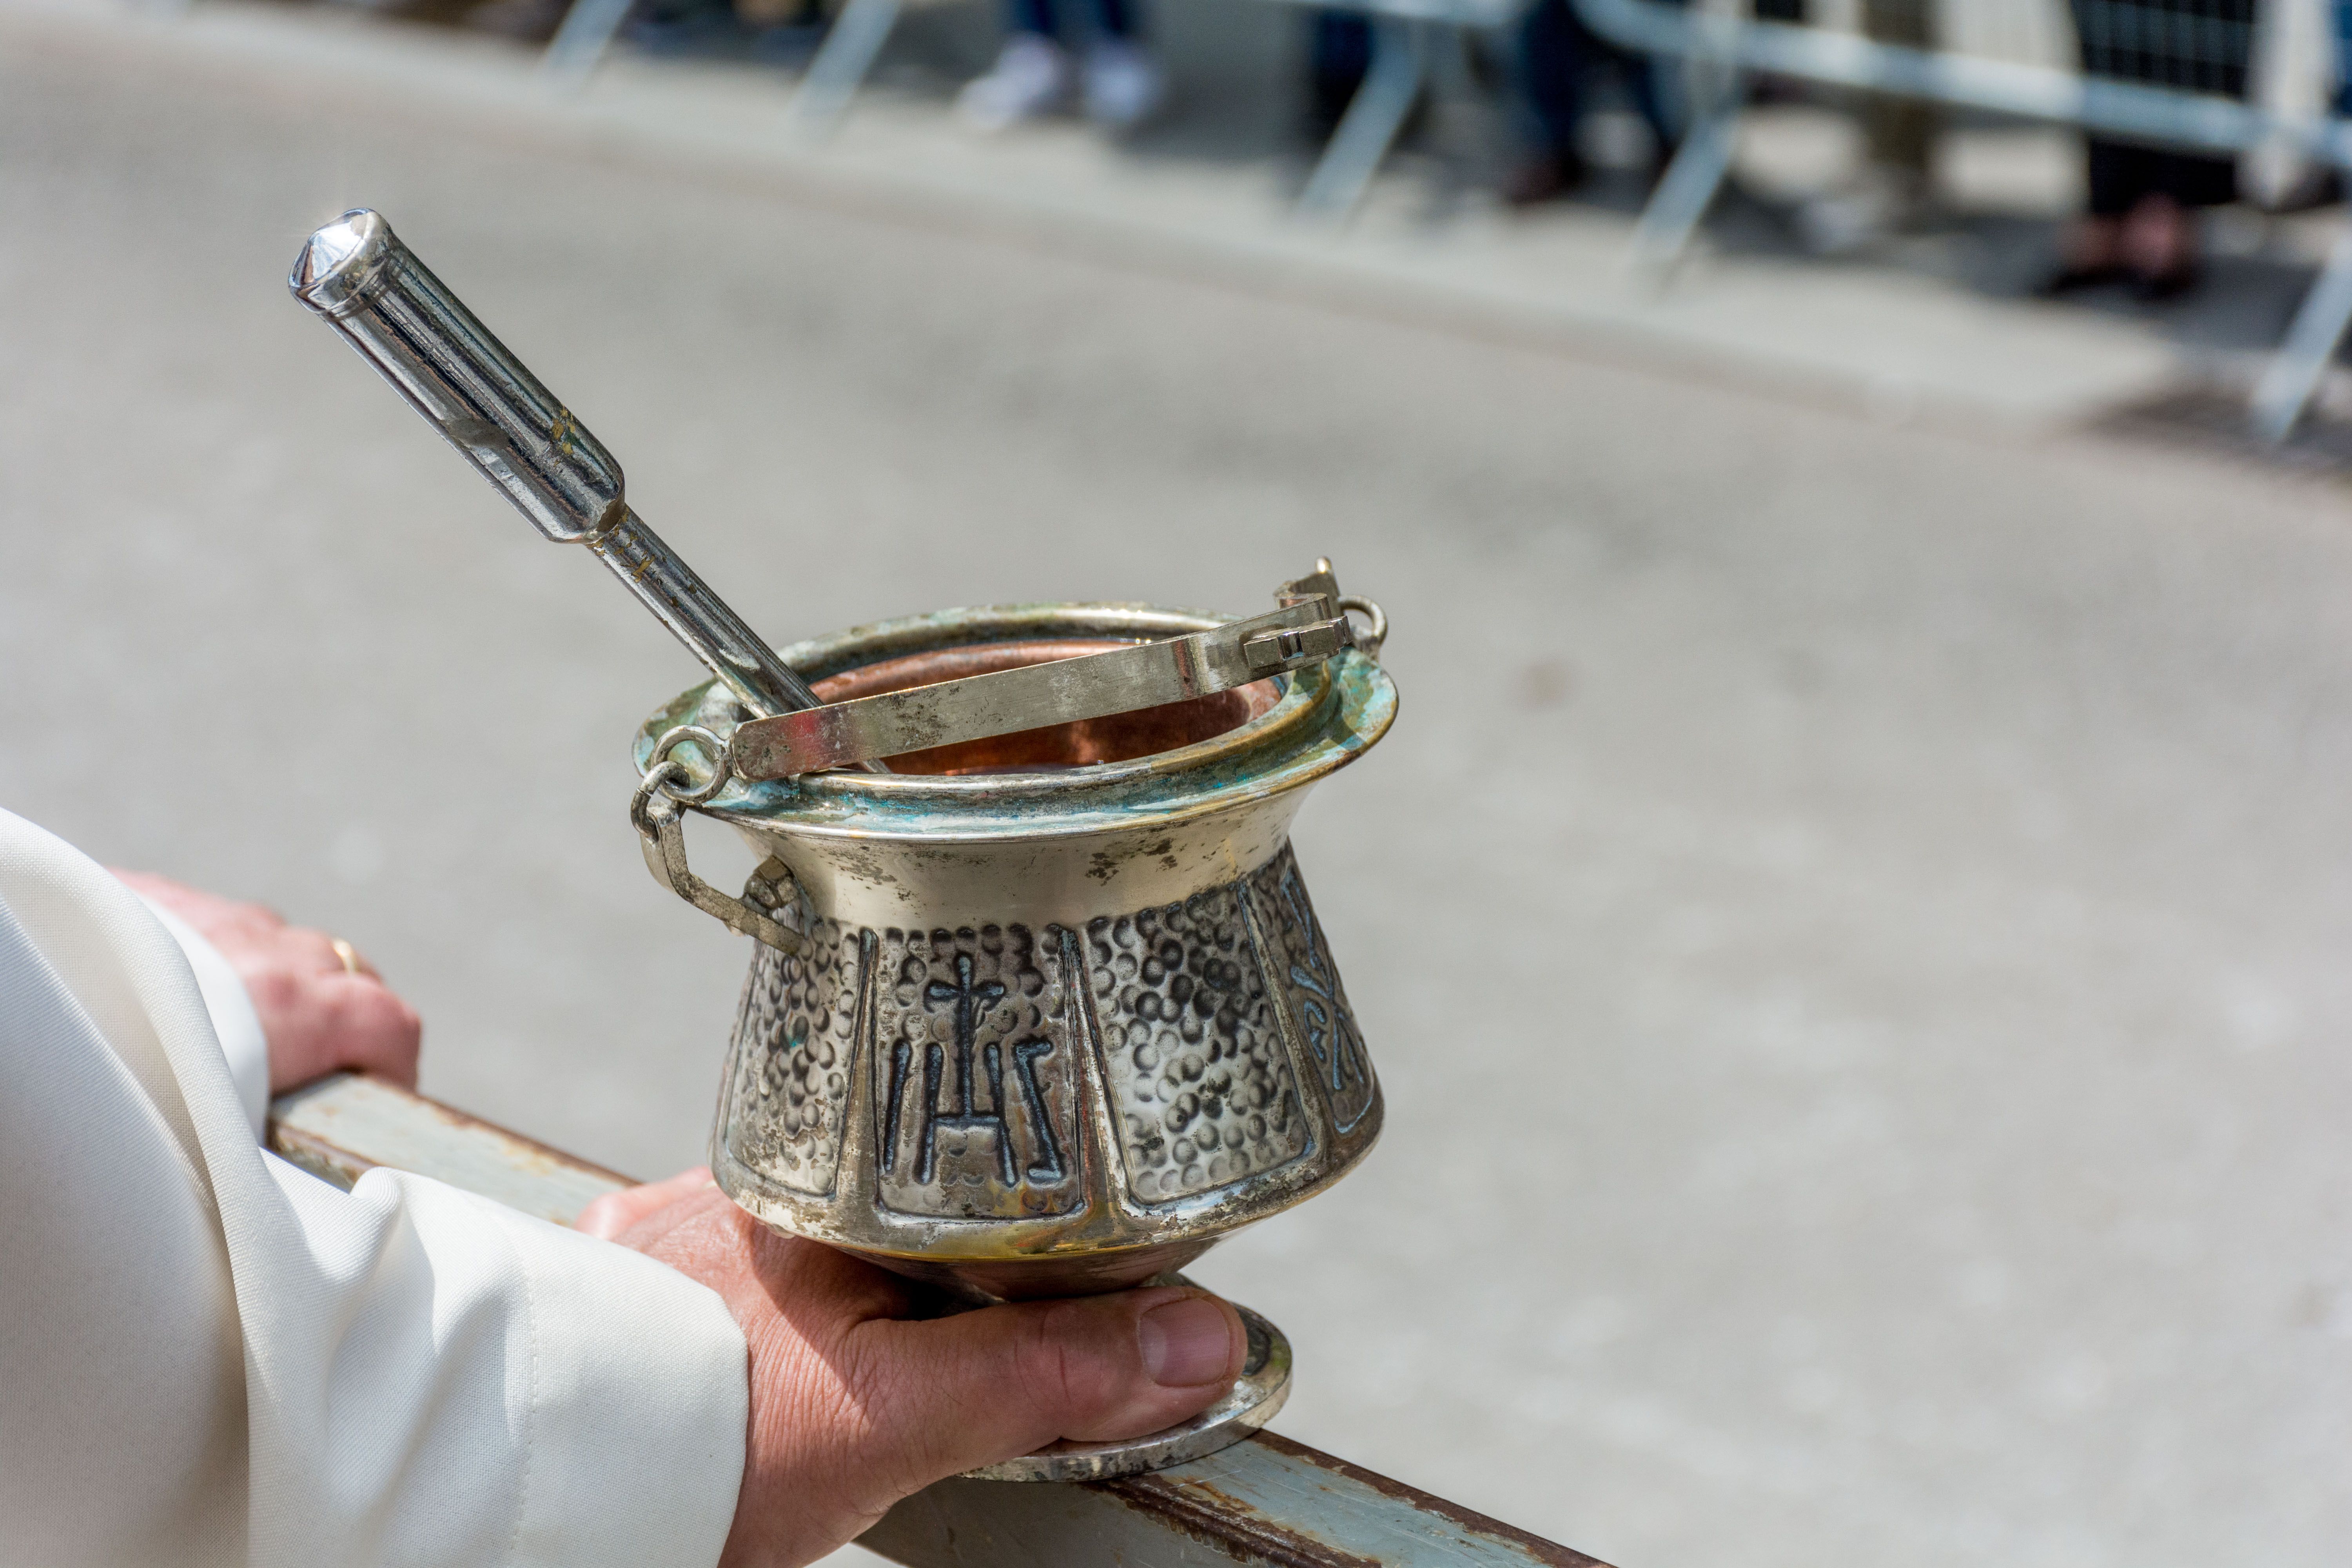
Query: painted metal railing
<point x="1721" y="49"/>
<point x="1264" y="1501"/>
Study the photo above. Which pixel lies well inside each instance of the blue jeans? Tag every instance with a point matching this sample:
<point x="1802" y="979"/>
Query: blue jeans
<point x="2343" y="9"/>
<point x="1557" y="57"/>
<point x="1113" y="18"/>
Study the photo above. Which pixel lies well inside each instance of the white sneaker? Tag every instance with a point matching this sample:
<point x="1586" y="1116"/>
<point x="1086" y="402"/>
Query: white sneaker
<point x="1873" y="206"/>
<point x="1124" y="85"/>
<point x="1031" y="79"/>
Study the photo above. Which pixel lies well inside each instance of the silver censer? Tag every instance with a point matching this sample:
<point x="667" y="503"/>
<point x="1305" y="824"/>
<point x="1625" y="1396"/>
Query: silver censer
<point x="1038" y="1003"/>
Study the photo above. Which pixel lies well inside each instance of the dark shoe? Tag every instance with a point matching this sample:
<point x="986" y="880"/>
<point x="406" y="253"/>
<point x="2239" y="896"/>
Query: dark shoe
<point x="2074" y="280"/>
<point x="1544" y="179"/>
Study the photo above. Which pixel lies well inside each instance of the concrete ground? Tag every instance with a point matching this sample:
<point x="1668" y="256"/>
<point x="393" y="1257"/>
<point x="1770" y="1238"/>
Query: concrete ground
<point x="1851" y="921"/>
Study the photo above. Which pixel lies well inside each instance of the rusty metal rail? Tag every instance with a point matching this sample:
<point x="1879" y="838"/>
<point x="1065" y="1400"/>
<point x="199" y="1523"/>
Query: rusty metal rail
<point x="1265" y="1500"/>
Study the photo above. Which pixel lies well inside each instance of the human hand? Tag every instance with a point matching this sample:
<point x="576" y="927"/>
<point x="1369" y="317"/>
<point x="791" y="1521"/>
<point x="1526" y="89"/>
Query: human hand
<point x="855" y="1405"/>
<point x="318" y="1016"/>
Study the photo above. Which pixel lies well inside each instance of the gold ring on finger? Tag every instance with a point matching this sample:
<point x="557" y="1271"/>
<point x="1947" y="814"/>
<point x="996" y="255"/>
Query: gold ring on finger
<point x="350" y="956"/>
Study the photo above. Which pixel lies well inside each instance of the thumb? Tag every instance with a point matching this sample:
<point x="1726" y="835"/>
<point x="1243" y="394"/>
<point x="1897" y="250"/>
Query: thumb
<point x="949" y="1393"/>
<point x="607" y="1217"/>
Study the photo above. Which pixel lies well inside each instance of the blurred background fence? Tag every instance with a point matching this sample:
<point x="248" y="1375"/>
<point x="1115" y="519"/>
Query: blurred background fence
<point x="2169" y="75"/>
<point x="1524" y="104"/>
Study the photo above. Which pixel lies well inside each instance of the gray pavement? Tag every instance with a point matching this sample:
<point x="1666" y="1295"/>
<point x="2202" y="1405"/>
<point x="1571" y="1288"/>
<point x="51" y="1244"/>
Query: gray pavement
<point x="1852" y="920"/>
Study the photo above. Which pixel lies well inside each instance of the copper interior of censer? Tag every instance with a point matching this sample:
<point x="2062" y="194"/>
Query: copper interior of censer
<point x="1116" y="739"/>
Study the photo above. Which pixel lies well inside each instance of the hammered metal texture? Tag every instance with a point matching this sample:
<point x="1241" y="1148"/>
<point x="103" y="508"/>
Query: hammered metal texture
<point x="1201" y="1082"/>
<point x="1310" y="988"/>
<point x="794" y="1036"/>
<point x="978" y="1066"/>
<point x="1149" y="1081"/>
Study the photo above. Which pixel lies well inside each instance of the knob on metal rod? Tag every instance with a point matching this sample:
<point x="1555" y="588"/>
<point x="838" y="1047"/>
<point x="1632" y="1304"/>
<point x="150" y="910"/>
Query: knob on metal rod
<point x="371" y="288"/>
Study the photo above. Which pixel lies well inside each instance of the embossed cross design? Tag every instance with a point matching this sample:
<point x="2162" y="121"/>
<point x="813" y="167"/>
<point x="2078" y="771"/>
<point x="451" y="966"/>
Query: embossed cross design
<point x="965" y="994"/>
<point x="972" y="999"/>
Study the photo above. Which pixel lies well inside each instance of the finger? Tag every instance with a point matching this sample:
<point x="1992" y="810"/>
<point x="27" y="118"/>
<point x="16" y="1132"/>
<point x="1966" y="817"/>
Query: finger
<point x="375" y="1030"/>
<point x="819" y="1294"/>
<point x="945" y="1395"/>
<point x="311" y="951"/>
<point x="351" y="960"/>
<point x="163" y="889"/>
<point x="614" y="1213"/>
<point x="200" y="908"/>
<point x="224" y="922"/>
<point x="320" y="1024"/>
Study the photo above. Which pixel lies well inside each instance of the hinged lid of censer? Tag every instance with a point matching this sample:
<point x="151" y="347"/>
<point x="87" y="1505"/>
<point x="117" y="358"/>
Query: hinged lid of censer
<point x="1038" y="1003"/>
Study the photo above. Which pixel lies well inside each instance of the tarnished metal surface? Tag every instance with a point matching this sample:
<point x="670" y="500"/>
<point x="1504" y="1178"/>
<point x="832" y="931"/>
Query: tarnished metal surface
<point x="363" y="283"/>
<point x="1263" y="1500"/>
<point x="1100" y="1104"/>
<point x="1098" y="840"/>
<point x="1060" y="692"/>
<point x="1050" y="1030"/>
<point x="653" y="813"/>
<point x="445" y="364"/>
<point x="1256" y="1398"/>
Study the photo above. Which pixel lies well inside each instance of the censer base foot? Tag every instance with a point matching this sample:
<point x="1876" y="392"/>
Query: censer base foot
<point x="1252" y="1401"/>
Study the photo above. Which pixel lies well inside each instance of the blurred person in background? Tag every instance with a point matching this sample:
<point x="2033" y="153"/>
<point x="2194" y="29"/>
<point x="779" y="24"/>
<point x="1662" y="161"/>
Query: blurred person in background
<point x="1118" y="84"/>
<point x="1560" y="57"/>
<point x="2140" y="225"/>
<point x="1559" y="62"/>
<point x="2339" y="102"/>
<point x="1892" y="189"/>
<point x="2343" y="100"/>
<point x="1339" y="58"/>
<point x="775" y="32"/>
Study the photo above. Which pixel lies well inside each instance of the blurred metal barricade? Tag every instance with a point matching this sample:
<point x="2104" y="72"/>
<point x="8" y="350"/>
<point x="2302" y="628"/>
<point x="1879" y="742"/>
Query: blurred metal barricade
<point x="1407" y="35"/>
<point x="835" y="72"/>
<point x="581" y="39"/>
<point x="2173" y="73"/>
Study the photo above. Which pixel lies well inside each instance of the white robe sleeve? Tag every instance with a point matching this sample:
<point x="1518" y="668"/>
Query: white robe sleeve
<point x="229" y="1006"/>
<point x="207" y="1356"/>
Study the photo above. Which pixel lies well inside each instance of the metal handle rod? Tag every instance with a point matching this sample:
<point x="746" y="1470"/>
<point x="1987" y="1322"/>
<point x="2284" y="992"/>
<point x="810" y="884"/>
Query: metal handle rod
<point x="1066" y="690"/>
<point x="371" y="288"/>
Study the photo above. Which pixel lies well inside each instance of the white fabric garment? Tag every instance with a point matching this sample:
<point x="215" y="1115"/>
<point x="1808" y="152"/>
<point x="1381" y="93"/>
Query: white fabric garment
<point x="235" y="1025"/>
<point x="207" y="1356"/>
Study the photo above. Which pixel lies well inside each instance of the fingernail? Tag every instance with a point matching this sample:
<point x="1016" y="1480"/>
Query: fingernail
<point x="1185" y="1343"/>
